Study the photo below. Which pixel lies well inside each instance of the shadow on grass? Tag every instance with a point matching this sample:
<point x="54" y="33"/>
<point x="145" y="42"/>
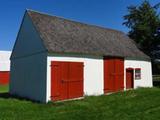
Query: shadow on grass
<point x="6" y="95"/>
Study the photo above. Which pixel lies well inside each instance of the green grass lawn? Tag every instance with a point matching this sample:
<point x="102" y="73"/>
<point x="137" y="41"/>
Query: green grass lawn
<point x="4" y="88"/>
<point x="140" y="104"/>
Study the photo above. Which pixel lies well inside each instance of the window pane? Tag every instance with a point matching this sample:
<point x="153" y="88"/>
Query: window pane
<point x="137" y="73"/>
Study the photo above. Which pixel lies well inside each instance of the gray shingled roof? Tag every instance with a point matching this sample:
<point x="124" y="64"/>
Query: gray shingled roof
<point x="60" y="35"/>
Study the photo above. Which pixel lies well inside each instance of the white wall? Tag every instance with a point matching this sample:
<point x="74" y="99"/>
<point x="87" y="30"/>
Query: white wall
<point x="93" y="73"/>
<point x="28" y="64"/>
<point x="28" y="77"/>
<point x="5" y="60"/>
<point x="146" y="72"/>
<point x="28" y="41"/>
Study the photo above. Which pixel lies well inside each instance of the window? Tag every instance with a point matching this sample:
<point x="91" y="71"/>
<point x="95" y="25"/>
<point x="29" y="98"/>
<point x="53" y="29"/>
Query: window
<point x="137" y="73"/>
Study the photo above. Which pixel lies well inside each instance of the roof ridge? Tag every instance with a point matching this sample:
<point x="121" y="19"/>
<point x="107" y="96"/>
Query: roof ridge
<point x="60" y="17"/>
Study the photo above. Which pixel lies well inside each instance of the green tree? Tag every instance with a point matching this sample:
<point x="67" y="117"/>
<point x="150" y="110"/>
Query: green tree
<point x="144" y="24"/>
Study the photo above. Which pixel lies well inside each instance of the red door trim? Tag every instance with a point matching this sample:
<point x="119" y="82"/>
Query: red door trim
<point x="129" y="68"/>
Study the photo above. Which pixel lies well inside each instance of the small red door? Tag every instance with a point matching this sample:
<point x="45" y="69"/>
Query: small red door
<point x="4" y="77"/>
<point x="129" y="78"/>
<point x="113" y="74"/>
<point x="66" y="80"/>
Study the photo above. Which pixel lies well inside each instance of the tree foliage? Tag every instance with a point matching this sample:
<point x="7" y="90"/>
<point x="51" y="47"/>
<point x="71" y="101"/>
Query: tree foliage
<point x="144" y="24"/>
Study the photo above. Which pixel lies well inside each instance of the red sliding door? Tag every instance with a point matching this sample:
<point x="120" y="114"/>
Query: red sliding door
<point x="113" y="74"/>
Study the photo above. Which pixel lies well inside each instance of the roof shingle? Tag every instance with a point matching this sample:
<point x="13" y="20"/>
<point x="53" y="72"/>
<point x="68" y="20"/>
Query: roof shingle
<point x="60" y="35"/>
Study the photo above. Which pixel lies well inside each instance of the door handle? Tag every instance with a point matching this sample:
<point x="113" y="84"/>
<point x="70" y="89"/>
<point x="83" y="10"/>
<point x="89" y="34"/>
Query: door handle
<point x="71" y="81"/>
<point x="62" y="81"/>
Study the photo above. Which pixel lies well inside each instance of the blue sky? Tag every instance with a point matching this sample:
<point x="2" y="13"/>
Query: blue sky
<point x="106" y="13"/>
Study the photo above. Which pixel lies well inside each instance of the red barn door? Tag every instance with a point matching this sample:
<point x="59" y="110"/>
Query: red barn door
<point x="4" y="77"/>
<point x="113" y="74"/>
<point x="129" y="78"/>
<point x="59" y="73"/>
<point x="109" y="78"/>
<point x="75" y="81"/>
<point x="66" y="80"/>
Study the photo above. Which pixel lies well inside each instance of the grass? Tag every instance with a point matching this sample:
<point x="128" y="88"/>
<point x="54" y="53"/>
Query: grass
<point x="140" y="104"/>
<point x="4" y="88"/>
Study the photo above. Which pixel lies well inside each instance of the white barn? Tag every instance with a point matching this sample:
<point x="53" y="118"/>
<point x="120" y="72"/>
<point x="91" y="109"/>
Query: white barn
<point x="58" y="59"/>
<point x="4" y="67"/>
